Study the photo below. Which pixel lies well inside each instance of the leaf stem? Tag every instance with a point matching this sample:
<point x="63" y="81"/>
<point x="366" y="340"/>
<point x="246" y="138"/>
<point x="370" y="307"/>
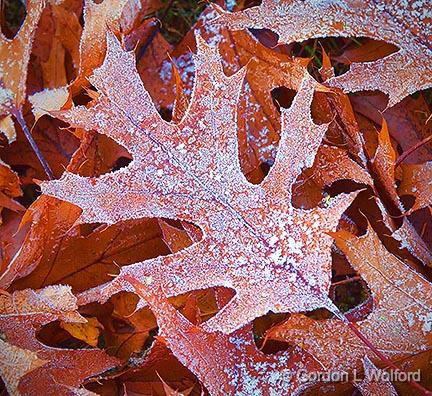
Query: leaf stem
<point x="412" y="149"/>
<point x="344" y="281"/>
<point x="19" y="117"/>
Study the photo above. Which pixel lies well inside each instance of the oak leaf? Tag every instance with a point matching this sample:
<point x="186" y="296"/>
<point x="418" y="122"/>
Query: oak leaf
<point x="226" y="364"/>
<point x="259" y="119"/>
<point x="48" y="253"/>
<point x="384" y="164"/>
<point x="403" y="24"/>
<point x="117" y="16"/>
<point x="99" y="17"/>
<point x="16" y="362"/>
<point x="9" y="189"/>
<point x="189" y="171"/>
<point x="14" y="58"/>
<point x="57" y="38"/>
<point x="407" y="121"/>
<point x="416" y="180"/>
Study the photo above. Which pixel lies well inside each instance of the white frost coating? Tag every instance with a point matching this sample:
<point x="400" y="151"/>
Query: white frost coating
<point x="427" y="322"/>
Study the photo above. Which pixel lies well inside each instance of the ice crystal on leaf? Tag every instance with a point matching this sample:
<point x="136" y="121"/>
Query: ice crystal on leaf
<point x="275" y="256"/>
<point x="405" y="24"/>
<point x="16" y="362"/>
<point x="417" y="181"/>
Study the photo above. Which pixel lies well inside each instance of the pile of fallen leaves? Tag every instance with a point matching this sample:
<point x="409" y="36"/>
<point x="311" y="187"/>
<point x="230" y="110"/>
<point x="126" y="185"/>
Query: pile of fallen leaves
<point x="235" y="210"/>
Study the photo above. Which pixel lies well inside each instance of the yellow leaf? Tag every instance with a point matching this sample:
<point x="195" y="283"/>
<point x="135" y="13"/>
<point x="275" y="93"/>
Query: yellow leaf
<point x="88" y="332"/>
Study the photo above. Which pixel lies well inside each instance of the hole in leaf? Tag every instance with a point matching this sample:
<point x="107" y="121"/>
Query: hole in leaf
<point x="122" y="162"/>
<point x="13" y="14"/>
<point x="83" y="97"/>
<point x="272" y="347"/>
<point x="348" y="290"/>
<point x="342" y="186"/>
<point x="283" y="97"/>
<point x="179" y="235"/>
<point x="178" y="17"/>
<point x="266" y="37"/>
<point x="199" y="306"/>
<point x="126" y="332"/>
<point x="30" y="194"/>
<point x="350" y="293"/>
<point x="342" y="51"/>
<point x="99" y="154"/>
<point x="265" y="167"/>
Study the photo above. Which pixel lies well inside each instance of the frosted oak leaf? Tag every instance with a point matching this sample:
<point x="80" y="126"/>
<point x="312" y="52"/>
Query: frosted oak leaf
<point x="417" y="181"/>
<point x="405" y="24"/>
<point x="274" y="256"/>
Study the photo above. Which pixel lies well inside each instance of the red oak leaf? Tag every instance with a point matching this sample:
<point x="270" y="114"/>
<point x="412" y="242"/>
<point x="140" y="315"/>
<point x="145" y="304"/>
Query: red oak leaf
<point x="395" y="332"/>
<point x="275" y="256"/>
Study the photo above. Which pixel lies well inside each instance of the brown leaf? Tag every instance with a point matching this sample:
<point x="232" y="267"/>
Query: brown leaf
<point x="416" y="180"/>
<point x="88" y="332"/>
<point x="14" y="58"/>
<point x="15" y="363"/>
<point x="9" y="189"/>
<point x="225" y="363"/>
